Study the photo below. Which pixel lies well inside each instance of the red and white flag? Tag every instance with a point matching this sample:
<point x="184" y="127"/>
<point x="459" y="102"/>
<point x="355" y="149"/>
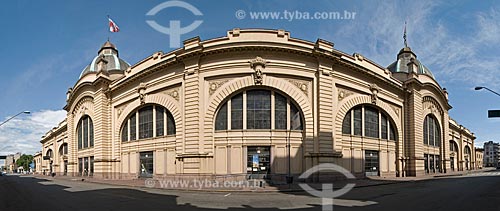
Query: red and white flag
<point x="112" y="26"/>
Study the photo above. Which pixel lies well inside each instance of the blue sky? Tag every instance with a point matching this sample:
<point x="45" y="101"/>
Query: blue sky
<point x="46" y="45"/>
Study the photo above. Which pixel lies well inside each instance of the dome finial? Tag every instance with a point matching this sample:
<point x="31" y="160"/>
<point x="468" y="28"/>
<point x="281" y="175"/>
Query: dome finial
<point x="404" y="37"/>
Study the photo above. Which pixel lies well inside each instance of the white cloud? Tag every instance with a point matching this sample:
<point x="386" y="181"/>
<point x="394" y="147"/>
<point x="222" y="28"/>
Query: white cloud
<point x="23" y="133"/>
<point x="464" y="56"/>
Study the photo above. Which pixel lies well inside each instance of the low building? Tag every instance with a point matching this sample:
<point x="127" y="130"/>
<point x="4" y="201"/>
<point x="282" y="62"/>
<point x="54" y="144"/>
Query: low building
<point x="10" y="162"/>
<point x="491" y="154"/>
<point x="55" y="151"/>
<point x="256" y="104"/>
<point x="37" y="161"/>
<point x="479" y="158"/>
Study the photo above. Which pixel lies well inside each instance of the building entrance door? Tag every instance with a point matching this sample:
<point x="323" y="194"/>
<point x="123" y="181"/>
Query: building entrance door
<point x="146" y="164"/>
<point x="65" y="166"/>
<point x="371" y="163"/>
<point x="452" y="163"/>
<point x="258" y="162"/>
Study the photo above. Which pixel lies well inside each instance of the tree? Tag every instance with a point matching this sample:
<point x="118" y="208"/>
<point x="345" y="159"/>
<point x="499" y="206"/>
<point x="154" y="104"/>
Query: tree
<point x="24" y="161"/>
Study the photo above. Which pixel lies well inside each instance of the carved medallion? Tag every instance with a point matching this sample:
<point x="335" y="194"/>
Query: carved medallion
<point x="258" y="64"/>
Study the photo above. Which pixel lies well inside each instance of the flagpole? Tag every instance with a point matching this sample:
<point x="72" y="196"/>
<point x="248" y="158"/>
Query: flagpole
<point x="108" y="28"/>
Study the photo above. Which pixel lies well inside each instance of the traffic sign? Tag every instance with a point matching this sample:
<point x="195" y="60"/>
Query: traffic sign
<point x="493" y="113"/>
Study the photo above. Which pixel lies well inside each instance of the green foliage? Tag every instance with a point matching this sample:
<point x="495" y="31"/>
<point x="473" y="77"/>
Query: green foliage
<point x="24" y="161"/>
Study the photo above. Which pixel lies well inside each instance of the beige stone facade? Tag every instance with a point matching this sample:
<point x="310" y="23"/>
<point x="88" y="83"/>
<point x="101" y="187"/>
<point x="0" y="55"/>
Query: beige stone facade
<point x="37" y="160"/>
<point x="54" y="151"/>
<point x="256" y="103"/>
<point x="479" y="158"/>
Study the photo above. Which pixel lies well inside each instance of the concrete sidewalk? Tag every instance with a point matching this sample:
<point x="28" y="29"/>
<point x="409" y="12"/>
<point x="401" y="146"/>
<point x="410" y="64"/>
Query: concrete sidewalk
<point x="254" y="186"/>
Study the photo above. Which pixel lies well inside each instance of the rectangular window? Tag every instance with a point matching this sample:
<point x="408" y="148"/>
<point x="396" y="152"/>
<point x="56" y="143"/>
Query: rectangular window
<point x="383" y="127"/>
<point x="146" y="164"/>
<point x="258" y="109"/>
<point x="426" y="131"/>
<point x="437" y="160"/>
<point x="125" y="131"/>
<point x="392" y="132"/>
<point x="133" y="132"/>
<point x="80" y="166"/>
<point x="237" y="112"/>
<point x="170" y="124"/>
<point x="85" y="132"/>
<point x="258" y="160"/>
<point x="159" y="121"/>
<point x="431" y="132"/>
<point x="431" y="163"/>
<point x="426" y="163"/>
<point x="437" y="137"/>
<point x="85" y="166"/>
<point x="295" y="118"/>
<point x="80" y="134"/>
<point x="371" y="122"/>
<point x="146" y="122"/>
<point x="371" y="163"/>
<point x="357" y="121"/>
<point x="346" y="124"/>
<point x="91" y="133"/>
<point x="92" y="166"/>
<point x="221" y="120"/>
<point x="279" y="111"/>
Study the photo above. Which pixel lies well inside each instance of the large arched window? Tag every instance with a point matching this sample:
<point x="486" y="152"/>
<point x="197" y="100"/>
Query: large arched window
<point x="368" y="121"/>
<point x="63" y="149"/>
<point x="85" y="133"/>
<point x="49" y="153"/>
<point x="147" y="122"/>
<point x="432" y="132"/>
<point x="453" y="146"/>
<point x="258" y="109"/>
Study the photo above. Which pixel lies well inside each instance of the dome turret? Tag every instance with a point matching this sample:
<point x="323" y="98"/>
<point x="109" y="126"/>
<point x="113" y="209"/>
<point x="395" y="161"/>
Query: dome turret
<point x="112" y="62"/>
<point x="405" y="56"/>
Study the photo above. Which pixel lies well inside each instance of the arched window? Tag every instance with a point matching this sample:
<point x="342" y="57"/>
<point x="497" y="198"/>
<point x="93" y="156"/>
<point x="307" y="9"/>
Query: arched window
<point x="368" y="121"/>
<point x="49" y="153"/>
<point x="85" y="133"/>
<point x="147" y="122"/>
<point x="453" y="146"/>
<point x="259" y="109"/>
<point x="432" y="132"/>
<point x="63" y="149"/>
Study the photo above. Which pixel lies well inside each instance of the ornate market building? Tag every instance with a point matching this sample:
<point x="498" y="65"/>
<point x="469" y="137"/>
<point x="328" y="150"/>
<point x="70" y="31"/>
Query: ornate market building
<point x="255" y="104"/>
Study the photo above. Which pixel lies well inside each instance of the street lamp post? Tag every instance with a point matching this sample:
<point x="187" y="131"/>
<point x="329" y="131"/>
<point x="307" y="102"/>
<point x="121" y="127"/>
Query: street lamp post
<point x="22" y="112"/>
<point x="482" y="87"/>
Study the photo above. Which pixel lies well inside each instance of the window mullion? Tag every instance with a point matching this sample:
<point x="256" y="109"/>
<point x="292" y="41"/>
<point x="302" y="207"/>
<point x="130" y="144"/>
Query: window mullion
<point x="165" y="125"/>
<point x="273" y="112"/>
<point x="363" y="121"/>
<point x="137" y="125"/>
<point x="154" y="121"/>
<point x="228" y="112"/>
<point x="245" y="110"/>
<point x="288" y="114"/>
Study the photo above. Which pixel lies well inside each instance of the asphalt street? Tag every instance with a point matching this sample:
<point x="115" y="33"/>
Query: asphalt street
<point x="479" y="191"/>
